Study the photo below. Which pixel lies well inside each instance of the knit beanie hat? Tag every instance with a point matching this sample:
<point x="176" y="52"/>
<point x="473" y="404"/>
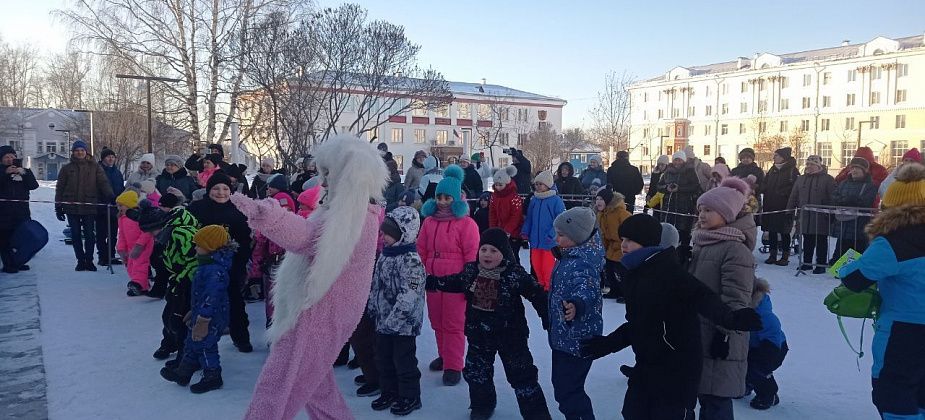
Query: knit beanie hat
<point x="420" y="154"/>
<point x="485" y="196"/>
<point x="576" y="224"/>
<point x="268" y="161"/>
<point x="383" y="147"/>
<point x="747" y="152"/>
<point x="79" y="144"/>
<point x="278" y="181"/>
<point x="913" y="154"/>
<point x="211" y="237"/>
<point x="785" y="152"/>
<point x="173" y="160"/>
<point x="497" y="238"/>
<point x="814" y="160"/>
<point x="670" y="236"/>
<point x="860" y="163"/>
<point x="641" y="228"/>
<point x="106" y="152"/>
<point x="151" y="218"/>
<point x="689" y="151"/>
<point x="451" y="184"/>
<point x="727" y="199"/>
<point x="215" y="159"/>
<point x="390" y="227"/>
<point x="128" y="199"/>
<point x="504" y="175"/>
<point x="409" y="196"/>
<point x="663" y="160"/>
<point x="147" y="157"/>
<point x="476" y="157"/>
<point x="170" y="200"/>
<point x="606" y="195"/>
<point x="544" y="178"/>
<point x="148" y="186"/>
<point x="6" y="150"/>
<point x="218" y="178"/>
<point x="679" y="155"/>
<point x="909" y="187"/>
<point x="309" y="198"/>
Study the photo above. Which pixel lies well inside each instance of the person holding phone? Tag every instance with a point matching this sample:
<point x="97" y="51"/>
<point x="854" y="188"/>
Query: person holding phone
<point x="15" y="184"/>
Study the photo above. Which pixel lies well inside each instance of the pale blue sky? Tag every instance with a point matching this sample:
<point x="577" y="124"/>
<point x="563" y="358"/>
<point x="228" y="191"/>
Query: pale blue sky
<point x="564" y="48"/>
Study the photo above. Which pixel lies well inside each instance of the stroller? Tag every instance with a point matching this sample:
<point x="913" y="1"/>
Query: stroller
<point x="796" y="247"/>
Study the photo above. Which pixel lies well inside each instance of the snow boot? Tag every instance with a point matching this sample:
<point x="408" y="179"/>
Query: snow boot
<point x="244" y="347"/>
<point x="88" y="265"/>
<point x="368" y="390"/>
<point x="819" y="270"/>
<point x="784" y="259"/>
<point x="8" y="267"/>
<point x="343" y="357"/>
<point x="384" y="402"/>
<point x="759" y="403"/>
<point x="211" y="380"/>
<point x="404" y="406"/>
<point x="81" y="266"/>
<point x="181" y="375"/>
<point x="134" y="289"/>
<point x="626" y="370"/>
<point x="24" y="267"/>
<point x="772" y="259"/>
<point x="162" y="353"/>
<point x="114" y="261"/>
<point x="359" y="380"/>
<point x="482" y="413"/>
<point x="172" y="364"/>
<point x="436" y="365"/>
<point x="451" y="377"/>
<point x="806" y="267"/>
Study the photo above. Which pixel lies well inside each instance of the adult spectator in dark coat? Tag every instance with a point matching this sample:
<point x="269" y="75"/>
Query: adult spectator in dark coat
<point x="217" y="209"/>
<point x="680" y="188"/>
<point x="855" y="191"/>
<point x="472" y="183"/>
<point x="594" y="171"/>
<point x="747" y="166"/>
<point x="194" y="162"/>
<point x="81" y="181"/>
<point x="625" y="179"/>
<point x="107" y="219"/>
<point x="15" y="184"/>
<point x="776" y="192"/>
<point x="661" y="164"/>
<point x="568" y="185"/>
<point x="267" y="169"/>
<point x="524" y="177"/>
<point x="307" y="170"/>
<point x="175" y="176"/>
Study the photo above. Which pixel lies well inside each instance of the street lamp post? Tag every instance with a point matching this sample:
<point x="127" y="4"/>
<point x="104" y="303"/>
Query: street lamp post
<point x="661" y="145"/>
<point x="148" y="80"/>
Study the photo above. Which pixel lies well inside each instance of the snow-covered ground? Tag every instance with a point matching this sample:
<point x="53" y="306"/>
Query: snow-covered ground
<point x="97" y="346"/>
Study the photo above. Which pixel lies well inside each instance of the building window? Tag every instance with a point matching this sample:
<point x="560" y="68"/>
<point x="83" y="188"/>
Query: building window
<point x="807" y="79"/>
<point x="442" y="136"/>
<point x="825" y="124"/>
<point x="744" y="87"/>
<point x="824" y="150"/>
<point x="902" y="70"/>
<point x="762" y="127"/>
<point x="743" y="107"/>
<point x="849" y="123"/>
<point x="874" y="123"/>
<point x="852" y="75"/>
<point x="707" y="130"/>
<point x="826" y="101"/>
<point x="849" y="100"/>
<point x="691" y="111"/>
<point x="543" y="125"/>
<point x="875" y="73"/>
<point x="504" y="139"/>
<point x="706" y="150"/>
<point x="826" y="77"/>
<point x="784" y="104"/>
<point x="398" y="135"/>
<point x="762" y="105"/>
<point x="806" y="102"/>
<point x="372" y="134"/>
<point x="466" y="136"/>
<point x="418" y="109"/>
<point x="521" y="140"/>
<point x="645" y="150"/>
<point x="724" y="129"/>
<point x="505" y="113"/>
<point x="724" y="109"/>
<point x="690" y="129"/>
<point x="645" y="115"/>
<point x="901" y="121"/>
<point x="420" y="135"/>
<point x="874" y="98"/>
<point x="709" y="110"/>
<point x="53" y="147"/>
<point x="724" y="88"/>
<point x="804" y="125"/>
<point x="784" y="82"/>
<point x="784" y="126"/>
<point x="442" y="112"/>
<point x="674" y="113"/>
<point x="741" y="128"/>
<point x="661" y="113"/>
<point x="400" y="162"/>
<point x="900" y="95"/>
<point x="522" y="114"/>
<point x="847" y="151"/>
<point x="707" y="93"/>
<point x="485" y="112"/>
<point x="645" y="96"/>
<point x="645" y="133"/>
<point x="463" y="111"/>
<point x="897" y="148"/>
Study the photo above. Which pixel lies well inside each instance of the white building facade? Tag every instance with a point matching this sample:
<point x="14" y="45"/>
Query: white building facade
<point x="827" y="102"/>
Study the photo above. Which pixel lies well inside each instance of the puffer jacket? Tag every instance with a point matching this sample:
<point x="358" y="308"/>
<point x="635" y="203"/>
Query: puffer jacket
<point x="209" y="292"/>
<point x="130" y="236"/>
<point x="509" y="317"/>
<point x="396" y="301"/>
<point x="771" y="330"/>
<point x="181" y="180"/>
<point x="15" y="187"/>
<point x="743" y="171"/>
<point x="816" y="189"/>
<point x="683" y="200"/>
<point x="609" y="221"/>
<point x="727" y="267"/>
<point x="446" y="246"/>
<point x="576" y="278"/>
<point x="82" y="181"/>
<point x="590" y="174"/>
<point x="776" y="189"/>
<point x="138" y="176"/>
<point x="626" y="179"/>
<point x="176" y="238"/>
<point x="877" y="172"/>
<point x="541" y="212"/>
<point x="852" y="193"/>
<point x="568" y="185"/>
<point x="116" y="180"/>
<point x="506" y="210"/>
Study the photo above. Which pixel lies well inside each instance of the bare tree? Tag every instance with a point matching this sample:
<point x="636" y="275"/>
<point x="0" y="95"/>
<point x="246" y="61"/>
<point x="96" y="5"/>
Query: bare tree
<point x="610" y="117"/>
<point x="64" y="79"/>
<point x="19" y="76"/>
<point x="543" y="148"/>
<point x="571" y="140"/>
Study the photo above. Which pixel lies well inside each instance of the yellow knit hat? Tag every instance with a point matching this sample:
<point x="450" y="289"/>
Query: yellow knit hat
<point x="128" y="199"/>
<point x="211" y="237"/>
<point x="909" y="187"/>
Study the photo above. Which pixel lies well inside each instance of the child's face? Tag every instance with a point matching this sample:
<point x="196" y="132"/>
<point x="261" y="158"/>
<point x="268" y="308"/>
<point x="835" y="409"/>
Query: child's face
<point x="629" y="245"/>
<point x="272" y="191"/>
<point x="490" y="257"/>
<point x="710" y="219"/>
<point x="540" y="188"/>
<point x="483" y="203"/>
<point x="600" y="204"/>
<point x="498" y="187"/>
<point x="444" y="200"/>
<point x="564" y="241"/>
<point x="201" y="251"/>
<point x="122" y="209"/>
<point x="207" y="164"/>
<point x="387" y="240"/>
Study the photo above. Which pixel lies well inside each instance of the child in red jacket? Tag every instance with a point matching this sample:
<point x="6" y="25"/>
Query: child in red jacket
<point x="506" y="208"/>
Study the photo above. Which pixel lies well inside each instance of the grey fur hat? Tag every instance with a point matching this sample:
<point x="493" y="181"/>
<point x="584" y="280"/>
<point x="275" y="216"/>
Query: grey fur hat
<point x="504" y="175"/>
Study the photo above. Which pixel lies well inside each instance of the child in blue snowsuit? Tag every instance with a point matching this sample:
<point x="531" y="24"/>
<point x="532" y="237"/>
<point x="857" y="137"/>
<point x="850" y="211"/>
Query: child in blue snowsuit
<point x="766" y="350"/>
<point x="208" y="316"/>
<point x="574" y="307"/>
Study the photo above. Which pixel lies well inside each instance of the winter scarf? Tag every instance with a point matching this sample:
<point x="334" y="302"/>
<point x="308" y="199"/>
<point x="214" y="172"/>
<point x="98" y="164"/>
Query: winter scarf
<point x="396" y="250"/>
<point x="546" y="194"/>
<point x="444" y="213"/>
<point x="704" y="237"/>
<point x="485" y="288"/>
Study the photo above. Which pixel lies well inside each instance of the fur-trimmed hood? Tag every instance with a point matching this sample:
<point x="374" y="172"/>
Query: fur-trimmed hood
<point x="894" y="219"/>
<point x="762" y="288"/>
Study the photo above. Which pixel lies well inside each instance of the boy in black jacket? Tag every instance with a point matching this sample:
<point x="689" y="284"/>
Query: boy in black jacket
<point x="662" y="326"/>
<point x="496" y="323"/>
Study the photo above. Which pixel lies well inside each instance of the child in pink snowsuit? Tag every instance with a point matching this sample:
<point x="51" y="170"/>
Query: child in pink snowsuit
<point x="323" y="283"/>
<point x="133" y="245"/>
<point x="448" y="240"/>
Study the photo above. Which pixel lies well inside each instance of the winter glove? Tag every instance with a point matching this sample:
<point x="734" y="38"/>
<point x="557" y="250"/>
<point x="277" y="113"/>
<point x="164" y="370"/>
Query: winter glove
<point x="745" y="319"/>
<point x="59" y="213"/>
<point x="602" y="345"/>
<point x="136" y="252"/>
<point x="430" y="284"/>
<point x="123" y="255"/>
<point x="201" y="328"/>
<point x="719" y="348"/>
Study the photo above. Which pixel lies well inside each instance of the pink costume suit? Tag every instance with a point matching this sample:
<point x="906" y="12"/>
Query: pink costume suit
<point x="299" y="370"/>
<point x="130" y="235"/>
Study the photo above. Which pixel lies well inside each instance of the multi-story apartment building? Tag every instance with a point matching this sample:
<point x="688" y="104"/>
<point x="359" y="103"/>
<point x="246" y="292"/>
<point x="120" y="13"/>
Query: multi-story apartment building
<point x="828" y="102"/>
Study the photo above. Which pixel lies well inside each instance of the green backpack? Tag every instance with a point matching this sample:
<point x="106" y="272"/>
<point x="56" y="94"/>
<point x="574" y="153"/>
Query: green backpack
<point x="844" y="302"/>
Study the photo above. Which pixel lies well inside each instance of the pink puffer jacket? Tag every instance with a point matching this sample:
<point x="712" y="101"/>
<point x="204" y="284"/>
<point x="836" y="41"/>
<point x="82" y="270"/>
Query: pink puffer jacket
<point x="447" y="245"/>
<point x="130" y="235"/>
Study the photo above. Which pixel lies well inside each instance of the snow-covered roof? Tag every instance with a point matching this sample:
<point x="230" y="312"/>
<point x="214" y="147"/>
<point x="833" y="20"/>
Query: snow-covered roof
<point x="496" y="91"/>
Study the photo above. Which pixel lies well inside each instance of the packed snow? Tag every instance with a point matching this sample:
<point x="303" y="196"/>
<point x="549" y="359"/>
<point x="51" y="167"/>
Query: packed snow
<point x="97" y="345"/>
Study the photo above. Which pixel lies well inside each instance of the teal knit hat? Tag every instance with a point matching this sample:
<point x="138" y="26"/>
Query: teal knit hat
<point x="451" y="184"/>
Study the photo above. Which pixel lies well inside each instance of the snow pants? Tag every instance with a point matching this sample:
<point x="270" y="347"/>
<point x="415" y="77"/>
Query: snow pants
<point x="542" y="262"/>
<point x="82" y="235"/>
<point x="397" y="362"/>
<point x="568" y="381"/>
<point x="518" y="367"/>
<point x="447" y="315"/>
<point x="107" y="231"/>
<point x="762" y="362"/>
<point x="899" y="370"/>
<point x="204" y="353"/>
<point x="641" y="404"/>
<point x="363" y="342"/>
<point x="611" y="279"/>
<point x="139" y="269"/>
<point x="715" y="408"/>
<point x="175" y="331"/>
<point x="238" y="321"/>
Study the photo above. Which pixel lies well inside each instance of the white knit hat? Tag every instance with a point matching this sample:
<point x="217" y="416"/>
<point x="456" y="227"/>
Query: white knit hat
<point x="147" y="157"/>
<point x="544" y="178"/>
<point x="679" y="155"/>
<point x="663" y="160"/>
<point x="504" y="175"/>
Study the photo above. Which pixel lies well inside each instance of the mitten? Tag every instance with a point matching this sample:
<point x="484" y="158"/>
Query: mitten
<point x="745" y="319"/>
<point x="136" y="252"/>
<point x="602" y="345"/>
<point x="430" y="284"/>
<point x="200" y="328"/>
<point x="719" y="347"/>
<point x="122" y="255"/>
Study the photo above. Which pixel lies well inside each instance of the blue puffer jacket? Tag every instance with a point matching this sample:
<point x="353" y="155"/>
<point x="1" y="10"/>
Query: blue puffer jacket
<point x="770" y="325"/>
<point x="577" y="279"/>
<point x="538" y="224"/>
<point x="210" y="287"/>
<point x="114" y="175"/>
